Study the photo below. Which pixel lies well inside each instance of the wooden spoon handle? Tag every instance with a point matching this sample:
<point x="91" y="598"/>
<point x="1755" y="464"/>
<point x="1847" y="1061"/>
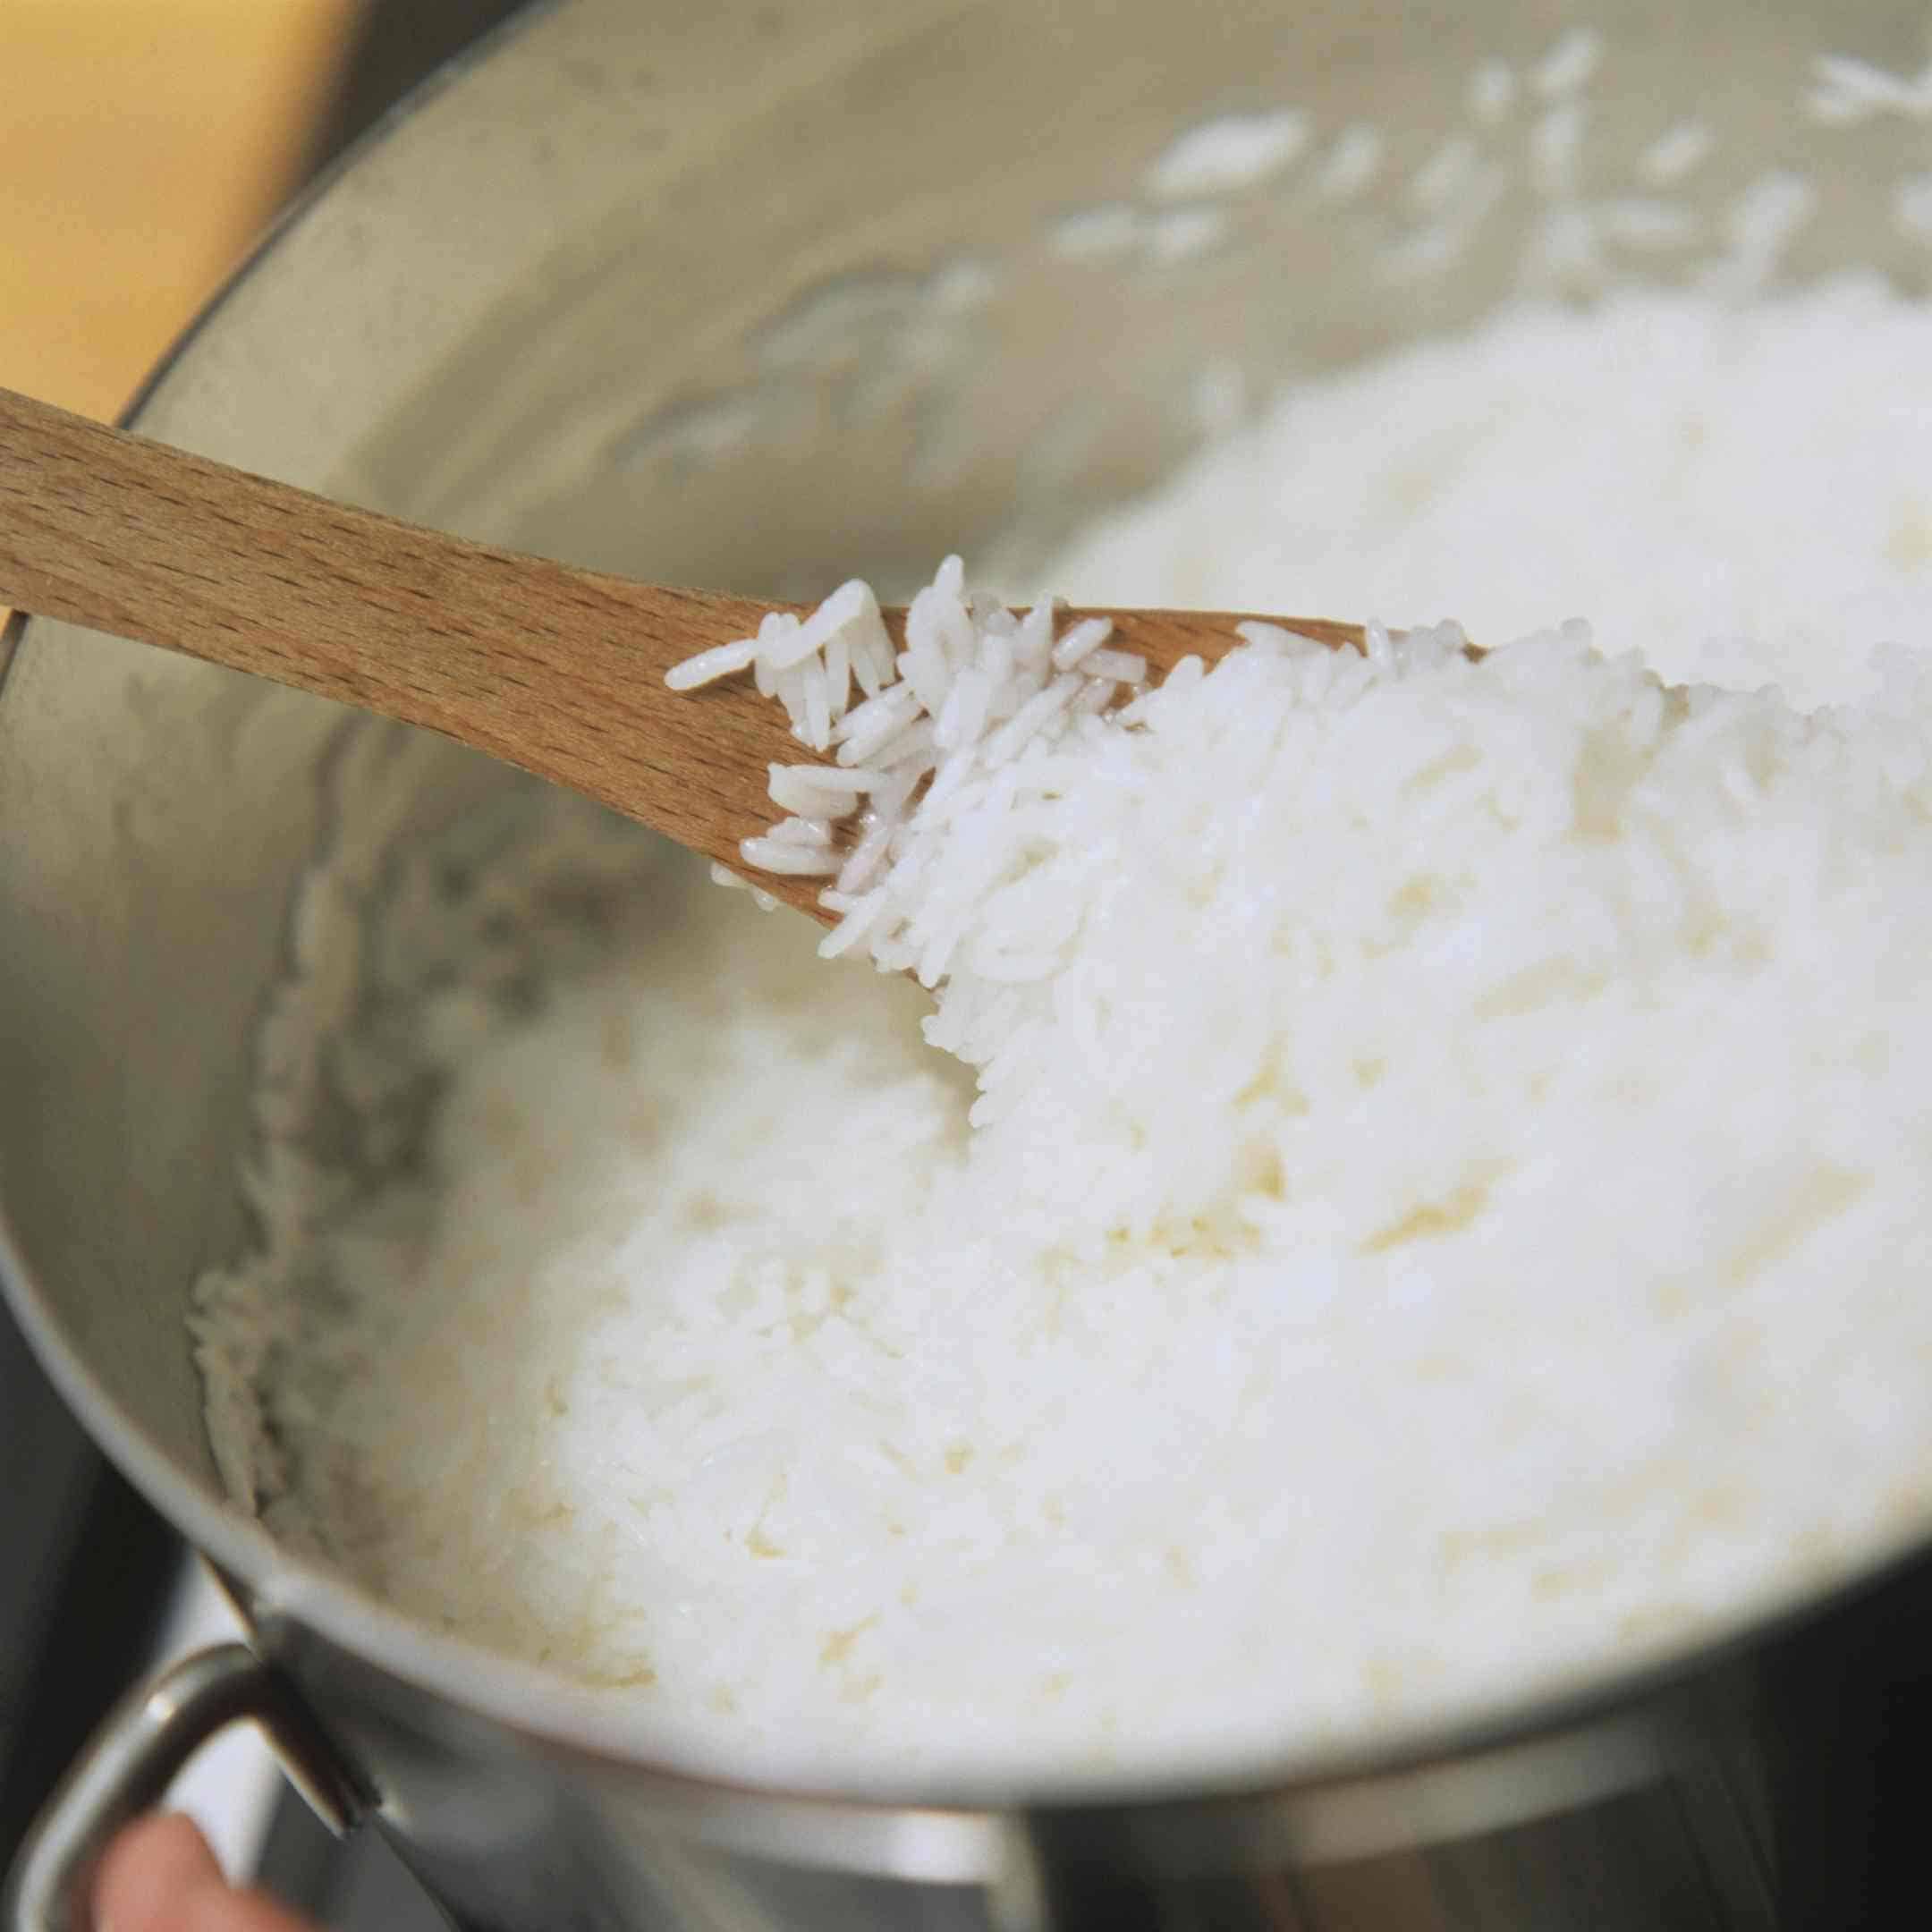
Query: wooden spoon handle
<point x="558" y="670"/>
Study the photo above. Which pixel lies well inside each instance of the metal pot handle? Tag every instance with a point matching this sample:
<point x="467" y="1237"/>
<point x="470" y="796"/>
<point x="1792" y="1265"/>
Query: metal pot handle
<point x="130" y="1760"/>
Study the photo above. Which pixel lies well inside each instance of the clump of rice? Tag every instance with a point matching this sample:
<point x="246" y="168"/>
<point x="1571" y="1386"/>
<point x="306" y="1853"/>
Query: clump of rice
<point x="1423" y="1190"/>
<point x="1364" y="954"/>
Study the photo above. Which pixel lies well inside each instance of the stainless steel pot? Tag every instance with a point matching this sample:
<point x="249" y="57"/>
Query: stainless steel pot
<point x="747" y="294"/>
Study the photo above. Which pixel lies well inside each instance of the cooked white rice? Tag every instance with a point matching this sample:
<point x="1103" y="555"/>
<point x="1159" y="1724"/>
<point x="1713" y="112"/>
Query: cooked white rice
<point x="1439" y="1200"/>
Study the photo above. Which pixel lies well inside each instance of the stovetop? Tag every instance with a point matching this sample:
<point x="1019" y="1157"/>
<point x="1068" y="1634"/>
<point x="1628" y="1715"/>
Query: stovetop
<point x="83" y="1586"/>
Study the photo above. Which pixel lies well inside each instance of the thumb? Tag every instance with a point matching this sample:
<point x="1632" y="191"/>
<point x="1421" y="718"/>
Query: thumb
<point x="159" y="1876"/>
<point x="151" y="1872"/>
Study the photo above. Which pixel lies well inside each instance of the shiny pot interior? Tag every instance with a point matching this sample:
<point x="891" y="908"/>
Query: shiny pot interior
<point x="760" y="296"/>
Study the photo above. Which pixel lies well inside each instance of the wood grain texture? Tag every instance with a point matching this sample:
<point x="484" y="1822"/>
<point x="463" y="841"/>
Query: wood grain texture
<point x="558" y="670"/>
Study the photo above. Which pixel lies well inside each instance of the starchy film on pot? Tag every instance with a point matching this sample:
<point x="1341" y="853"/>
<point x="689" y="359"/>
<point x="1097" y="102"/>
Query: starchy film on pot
<point x="1307" y="1195"/>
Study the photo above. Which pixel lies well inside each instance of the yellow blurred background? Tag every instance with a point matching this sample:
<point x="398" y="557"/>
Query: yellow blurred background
<point x="147" y="143"/>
